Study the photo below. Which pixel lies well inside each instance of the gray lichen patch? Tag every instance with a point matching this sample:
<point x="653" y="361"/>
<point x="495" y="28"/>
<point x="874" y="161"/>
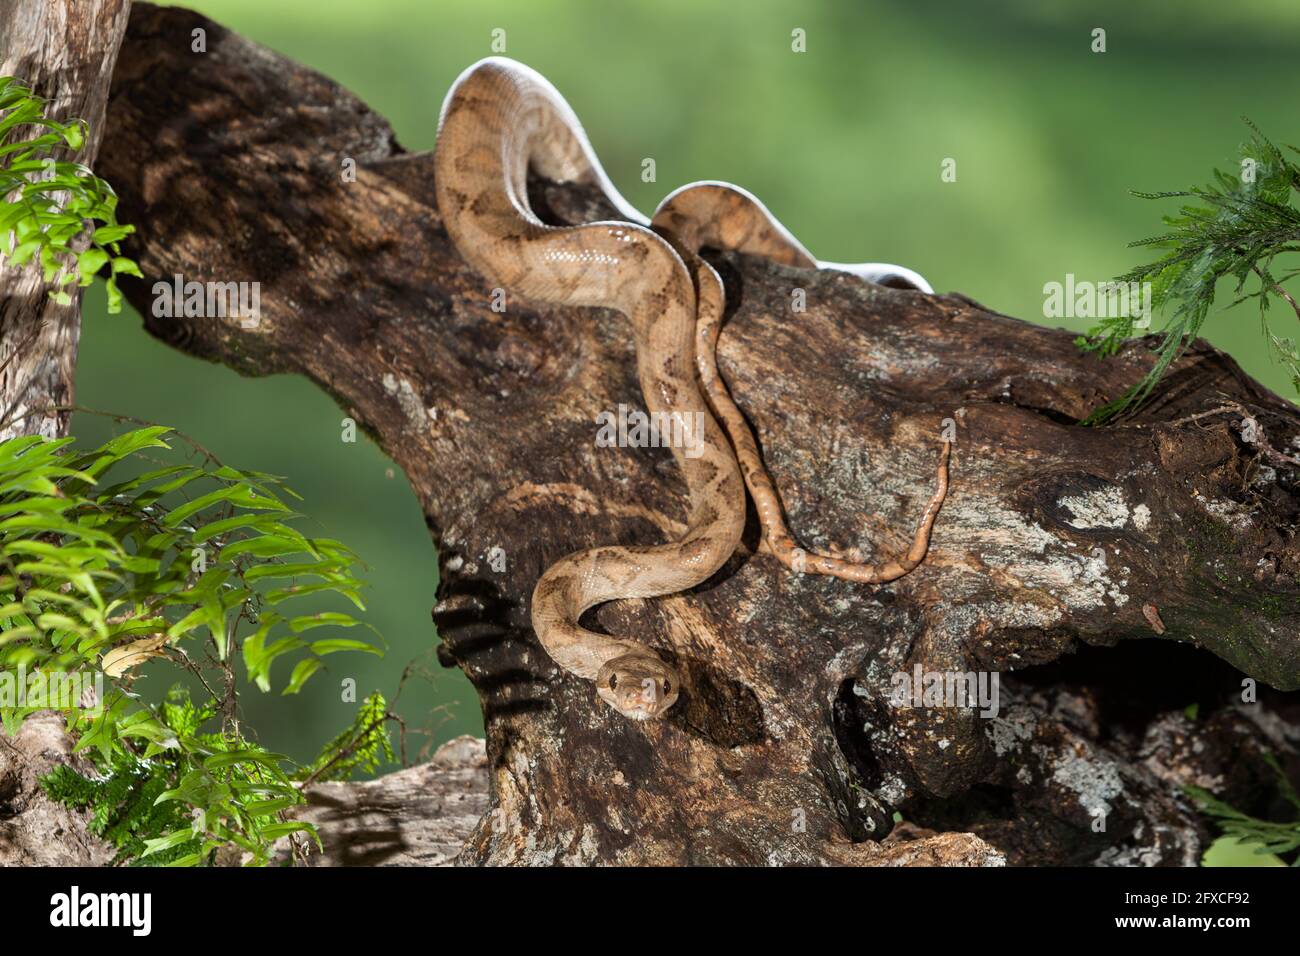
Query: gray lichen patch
<point x="1236" y="516"/>
<point x="1141" y="517"/>
<point x="1099" y="508"/>
<point x="407" y="400"/>
<point x="1034" y="559"/>
<point x="1096" y="782"/>
<point x="1012" y="729"/>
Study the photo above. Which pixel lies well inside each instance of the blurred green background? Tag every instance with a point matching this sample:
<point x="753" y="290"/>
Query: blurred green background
<point x="844" y="142"/>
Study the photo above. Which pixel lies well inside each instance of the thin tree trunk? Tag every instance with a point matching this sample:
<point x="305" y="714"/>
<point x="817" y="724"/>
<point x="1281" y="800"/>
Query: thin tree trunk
<point x="65" y="50"/>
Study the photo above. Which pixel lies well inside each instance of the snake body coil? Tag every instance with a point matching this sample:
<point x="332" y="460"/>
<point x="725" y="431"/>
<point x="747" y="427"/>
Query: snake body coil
<point x="501" y="118"/>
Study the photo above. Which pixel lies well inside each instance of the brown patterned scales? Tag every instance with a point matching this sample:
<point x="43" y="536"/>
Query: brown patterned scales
<point x="499" y="119"/>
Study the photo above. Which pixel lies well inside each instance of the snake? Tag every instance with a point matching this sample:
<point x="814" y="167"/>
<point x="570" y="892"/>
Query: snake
<point x="501" y="119"/>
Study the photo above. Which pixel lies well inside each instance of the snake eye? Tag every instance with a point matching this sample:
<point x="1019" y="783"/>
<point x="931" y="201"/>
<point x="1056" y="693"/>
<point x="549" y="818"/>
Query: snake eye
<point x="613" y="681"/>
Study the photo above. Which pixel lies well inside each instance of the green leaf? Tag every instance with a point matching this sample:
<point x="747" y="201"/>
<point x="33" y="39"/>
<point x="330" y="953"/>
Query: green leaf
<point x="247" y="755"/>
<point x="90" y="262"/>
<point x="124" y="266"/>
<point x="322" y="619"/>
<point x="301" y="673"/>
<point x="261" y="808"/>
<point x="240" y="495"/>
<point x="129" y="444"/>
<point x="176" y="838"/>
<point x="188" y="623"/>
<point x="109" y="234"/>
<point x="334" y="645"/>
<point x="196" y="788"/>
<point x="259" y="658"/>
<point x="24" y="251"/>
<point x="277" y="830"/>
<point x="327" y="568"/>
<point x="74" y="134"/>
<point x="266" y="546"/>
<point x="114" y="296"/>
<point x="280" y="595"/>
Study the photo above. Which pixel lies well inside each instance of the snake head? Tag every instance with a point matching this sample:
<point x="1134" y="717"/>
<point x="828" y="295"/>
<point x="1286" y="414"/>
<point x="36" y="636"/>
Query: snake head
<point x="638" y="686"/>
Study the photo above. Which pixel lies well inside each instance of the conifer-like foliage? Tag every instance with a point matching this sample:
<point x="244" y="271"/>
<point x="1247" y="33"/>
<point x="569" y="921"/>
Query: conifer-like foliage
<point x="1268" y="836"/>
<point x="51" y="208"/>
<point x="362" y="748"/>
<point x="1233" y="229"/>
<point x="193" y="565"/>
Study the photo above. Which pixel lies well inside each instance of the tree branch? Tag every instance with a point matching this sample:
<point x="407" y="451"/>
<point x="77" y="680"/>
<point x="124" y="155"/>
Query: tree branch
<point x="786" y="747"/>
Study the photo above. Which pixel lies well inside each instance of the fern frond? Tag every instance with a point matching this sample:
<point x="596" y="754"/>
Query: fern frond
<point x="1234" y="229"/>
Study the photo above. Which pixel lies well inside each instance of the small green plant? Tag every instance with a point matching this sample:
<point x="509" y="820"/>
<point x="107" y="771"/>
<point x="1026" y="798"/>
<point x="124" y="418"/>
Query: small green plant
<point x="214" y="790"/>
<point x="49" y="207"/>
<point x="1268" y="836"/>
<point x="362" y="748"/>
<point x="209" y="791"/>
<point x="197" y="564"/>
<point x="1235" y="228"/>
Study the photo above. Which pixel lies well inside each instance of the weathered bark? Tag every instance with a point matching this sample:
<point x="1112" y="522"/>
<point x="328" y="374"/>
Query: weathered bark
<point x="420" y="816"/>
<point x="784" y="748"/>
<point x="34" y="830"/>
<point x="64" y="50"/>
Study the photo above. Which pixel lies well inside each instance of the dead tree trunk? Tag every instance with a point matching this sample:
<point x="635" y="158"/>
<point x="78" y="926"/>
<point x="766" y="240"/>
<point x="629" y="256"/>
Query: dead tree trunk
<point x="64" y="50"/>
<point x="1171" y="536"/>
